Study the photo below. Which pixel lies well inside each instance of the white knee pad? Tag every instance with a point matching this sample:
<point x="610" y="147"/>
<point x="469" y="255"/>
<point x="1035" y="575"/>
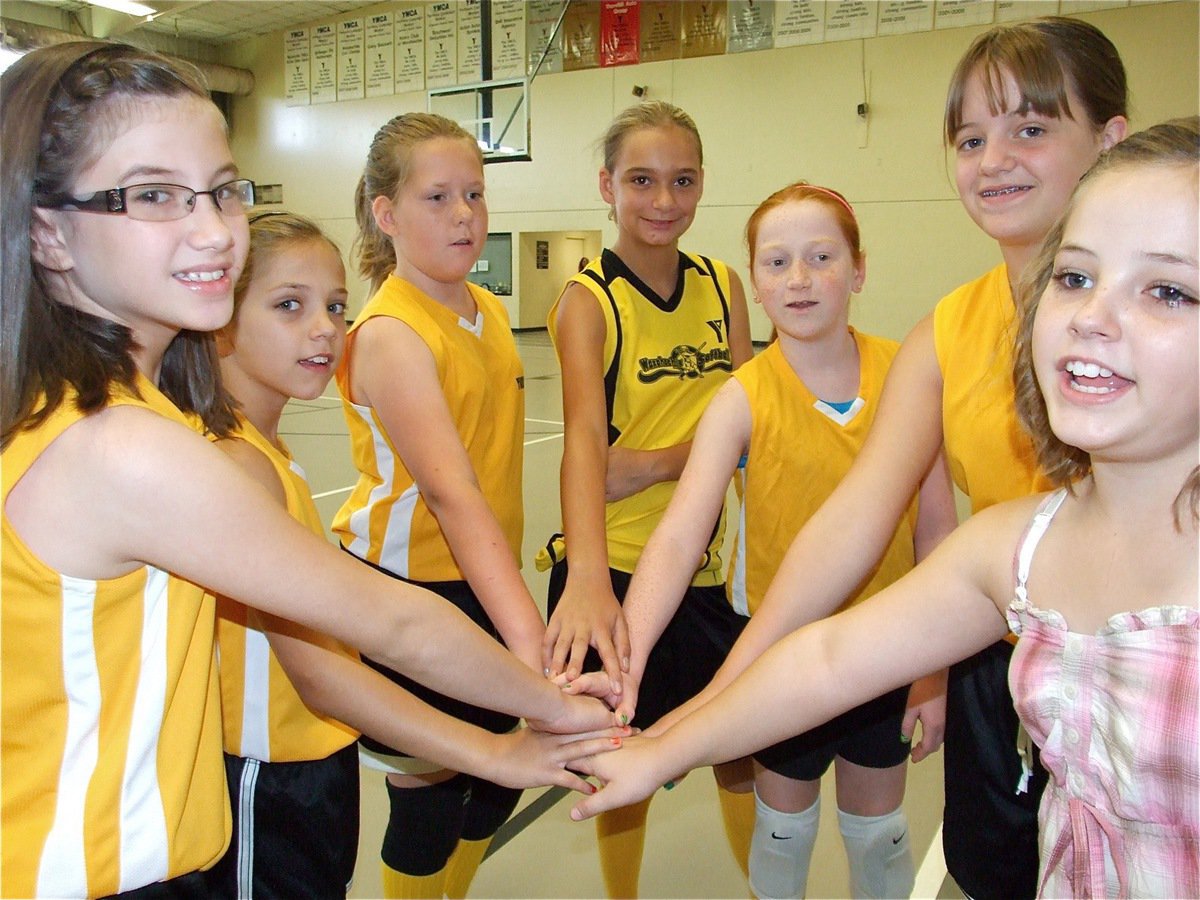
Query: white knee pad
<point x="781" y="849"/>
<point x="880" y="857"/>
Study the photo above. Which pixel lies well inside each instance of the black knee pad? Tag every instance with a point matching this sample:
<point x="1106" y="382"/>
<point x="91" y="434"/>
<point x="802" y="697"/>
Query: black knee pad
<point x="424" y="825"/>
<point x="488" y="807"/>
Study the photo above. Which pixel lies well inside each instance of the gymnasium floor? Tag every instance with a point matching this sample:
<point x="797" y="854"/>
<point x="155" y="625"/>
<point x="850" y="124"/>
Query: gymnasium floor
<point x="546" y="854"/>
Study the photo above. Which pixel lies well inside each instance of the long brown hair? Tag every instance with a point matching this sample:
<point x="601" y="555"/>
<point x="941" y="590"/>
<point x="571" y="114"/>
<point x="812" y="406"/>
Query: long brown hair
<point x="56" y="104"/>
<point x="1173" y="143"/>
<point x="1045" y="57"/>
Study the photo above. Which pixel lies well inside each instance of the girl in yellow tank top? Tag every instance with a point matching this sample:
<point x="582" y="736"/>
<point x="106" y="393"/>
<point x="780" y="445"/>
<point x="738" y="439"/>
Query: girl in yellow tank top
<point x="125" y="230"/>
<point x="433" y="393"/>
<point x="790" y="423"/>
<point x="645" y="336"/>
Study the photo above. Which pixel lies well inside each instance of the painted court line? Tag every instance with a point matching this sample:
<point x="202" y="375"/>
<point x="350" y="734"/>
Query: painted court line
<point x="537" y="440"/>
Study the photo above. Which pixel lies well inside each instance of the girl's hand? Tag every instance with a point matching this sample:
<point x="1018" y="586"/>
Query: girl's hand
<point x="577" y="715"/>
<point x="596" y="684"/>
<point x="528" y="758"/>
<point x="927" y="703"/>
<point x="579" y="621"/>
<point x="631" y="774"/>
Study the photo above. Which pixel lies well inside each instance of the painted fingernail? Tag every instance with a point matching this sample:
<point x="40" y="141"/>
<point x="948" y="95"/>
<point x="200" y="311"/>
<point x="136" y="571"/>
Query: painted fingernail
<point x="616" y="741"/>
<point x="904" y="738"/>
<point x="670" y="785"/>
<point x="624" y="719"/>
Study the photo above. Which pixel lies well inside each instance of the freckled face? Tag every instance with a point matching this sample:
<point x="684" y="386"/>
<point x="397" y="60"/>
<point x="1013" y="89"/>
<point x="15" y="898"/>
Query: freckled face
<point x="804" y="270"/>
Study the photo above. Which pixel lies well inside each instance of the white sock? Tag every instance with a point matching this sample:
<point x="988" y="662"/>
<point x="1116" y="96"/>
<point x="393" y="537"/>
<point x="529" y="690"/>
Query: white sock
<point x="877" y="848"/>
<point x="781" y="850"/>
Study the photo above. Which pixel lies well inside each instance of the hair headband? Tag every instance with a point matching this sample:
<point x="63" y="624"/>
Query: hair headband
<point x="836" y="196"/>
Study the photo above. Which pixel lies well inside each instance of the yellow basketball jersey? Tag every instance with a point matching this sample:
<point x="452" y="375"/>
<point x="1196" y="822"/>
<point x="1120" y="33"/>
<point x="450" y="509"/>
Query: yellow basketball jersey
<point x="111" y="768"/>
<point x="974" y="330"/>
<point x="264" y="717"/>
<point x="386" y="520"/>
<point x="664" y="359"/>
<point x="800" y="449"/>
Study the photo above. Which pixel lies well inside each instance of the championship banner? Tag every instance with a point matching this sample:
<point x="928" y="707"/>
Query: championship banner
<point x="619" y="33"/>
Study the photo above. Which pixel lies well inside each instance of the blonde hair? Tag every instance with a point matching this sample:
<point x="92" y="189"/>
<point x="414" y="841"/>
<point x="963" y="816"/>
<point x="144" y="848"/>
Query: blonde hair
<point x="650" y="114"/>
<point x="1173" y="143"/>
<point x="387" y="169"/>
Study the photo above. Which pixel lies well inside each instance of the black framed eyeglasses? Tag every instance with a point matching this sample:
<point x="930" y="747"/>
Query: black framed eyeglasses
<point x="156" y="202"/>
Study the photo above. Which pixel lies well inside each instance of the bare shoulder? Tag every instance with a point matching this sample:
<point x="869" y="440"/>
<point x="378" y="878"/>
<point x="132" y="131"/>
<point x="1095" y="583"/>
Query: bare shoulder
<point x="254" y="463"/>
<point x="990" y="540"/>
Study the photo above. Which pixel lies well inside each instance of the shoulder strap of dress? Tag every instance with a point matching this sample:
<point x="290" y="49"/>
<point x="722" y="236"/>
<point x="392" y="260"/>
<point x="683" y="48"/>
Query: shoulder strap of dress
<point x="1033" y="536"/>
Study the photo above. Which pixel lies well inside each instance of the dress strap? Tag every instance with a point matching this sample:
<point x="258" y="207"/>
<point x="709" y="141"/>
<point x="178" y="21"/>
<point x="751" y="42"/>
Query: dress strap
<point x="1033" y="536"/>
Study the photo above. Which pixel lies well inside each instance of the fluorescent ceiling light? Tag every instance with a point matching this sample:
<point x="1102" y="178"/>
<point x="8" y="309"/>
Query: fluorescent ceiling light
<point x="126" y="6"/>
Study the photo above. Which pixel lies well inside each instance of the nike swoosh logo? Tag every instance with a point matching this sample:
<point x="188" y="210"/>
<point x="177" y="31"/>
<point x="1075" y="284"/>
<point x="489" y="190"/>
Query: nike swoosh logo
<point x="788" y="837"/>
<point x="899" y="839"/>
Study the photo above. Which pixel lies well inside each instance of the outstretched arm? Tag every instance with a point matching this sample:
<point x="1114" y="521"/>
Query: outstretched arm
<point x="936" y="518"/>
<point x="126" y="487"/>
<point x="942" y="611"/>
<point x="861" y="513"/>
<point x="588" y="613"/>
<point x="677" y="545"/>
<point x="335" y="685"/>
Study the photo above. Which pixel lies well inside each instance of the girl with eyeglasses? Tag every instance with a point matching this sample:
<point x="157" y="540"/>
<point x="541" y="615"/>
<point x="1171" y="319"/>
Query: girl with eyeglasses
<point x="116" y="509"/>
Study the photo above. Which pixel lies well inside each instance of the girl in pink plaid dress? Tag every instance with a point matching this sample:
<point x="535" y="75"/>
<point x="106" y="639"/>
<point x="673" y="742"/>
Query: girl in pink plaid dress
<point x="1105" y="674"/>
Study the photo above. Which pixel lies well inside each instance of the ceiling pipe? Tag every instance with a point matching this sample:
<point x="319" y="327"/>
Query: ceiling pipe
<point x="26" y="36"/>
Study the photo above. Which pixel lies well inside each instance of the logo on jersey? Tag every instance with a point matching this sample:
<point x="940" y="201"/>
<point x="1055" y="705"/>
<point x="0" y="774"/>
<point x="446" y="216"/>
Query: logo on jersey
<point x="685" y="361"/>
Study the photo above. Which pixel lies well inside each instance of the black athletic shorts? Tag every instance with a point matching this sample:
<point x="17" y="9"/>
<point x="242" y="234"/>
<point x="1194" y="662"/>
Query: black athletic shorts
<point x="192" y="886"/>
<point x="692" y="647"/>
<point x="989" y="832"/>
<point x="295" y="828"/>
<point x="868" y="735"/>
<point x="460" y="594"/>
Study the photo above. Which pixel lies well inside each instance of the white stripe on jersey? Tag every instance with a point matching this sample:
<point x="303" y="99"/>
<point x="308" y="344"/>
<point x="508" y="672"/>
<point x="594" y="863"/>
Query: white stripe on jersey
<point x="398" y="536"/>
<point x="62" y="869"/>
<point x="256" y="697"/>
<point x="143" y="819"/>
<point x="738" y="592"/>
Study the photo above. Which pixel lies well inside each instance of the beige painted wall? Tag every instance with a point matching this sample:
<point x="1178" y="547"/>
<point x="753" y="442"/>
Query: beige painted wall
<point x="539" y="288"/>
<point x="767" y="118"/>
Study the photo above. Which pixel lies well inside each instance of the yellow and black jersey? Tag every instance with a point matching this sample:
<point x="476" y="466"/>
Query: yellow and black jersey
<point x="664" y="358"/>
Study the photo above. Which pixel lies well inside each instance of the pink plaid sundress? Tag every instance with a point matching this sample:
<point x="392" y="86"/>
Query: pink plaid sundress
<point x="1116" y="717"/>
